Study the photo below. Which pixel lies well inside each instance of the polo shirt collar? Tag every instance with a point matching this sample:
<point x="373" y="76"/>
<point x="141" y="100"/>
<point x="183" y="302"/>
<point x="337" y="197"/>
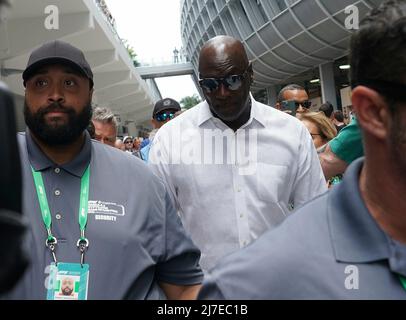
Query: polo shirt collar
<point x="39" y="161"/>
<point x="205" y="114"/>
<point x="356" y="237"/>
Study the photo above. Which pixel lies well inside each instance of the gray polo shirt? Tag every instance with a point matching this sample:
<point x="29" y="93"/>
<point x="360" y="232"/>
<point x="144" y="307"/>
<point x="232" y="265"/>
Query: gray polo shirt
<point x="331" y="248"/>
<point x="136" y="238"/>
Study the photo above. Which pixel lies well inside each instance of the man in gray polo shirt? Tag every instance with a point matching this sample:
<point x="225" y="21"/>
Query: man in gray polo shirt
<point x="132" y="244"/>
<point x="349" y="243"/>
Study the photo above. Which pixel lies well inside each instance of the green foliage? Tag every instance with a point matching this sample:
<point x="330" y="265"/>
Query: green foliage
<point x="131" y="53"/>
<point x="190" y="101"/>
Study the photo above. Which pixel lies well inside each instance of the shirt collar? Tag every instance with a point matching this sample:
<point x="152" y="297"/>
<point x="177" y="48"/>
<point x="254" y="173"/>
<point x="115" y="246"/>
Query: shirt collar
<point x="355" y="236"/>
<point x="256" y="112"/>
<point x="39" y="161"/>
<point x="205" y="114"/>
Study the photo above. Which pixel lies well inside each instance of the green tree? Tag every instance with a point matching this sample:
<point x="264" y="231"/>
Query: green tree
<point x="190" y="101"/>
<point x="131" y="52"/>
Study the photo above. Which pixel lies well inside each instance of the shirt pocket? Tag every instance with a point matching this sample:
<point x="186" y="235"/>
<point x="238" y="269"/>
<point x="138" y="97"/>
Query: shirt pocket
<point x="272" y="183"/>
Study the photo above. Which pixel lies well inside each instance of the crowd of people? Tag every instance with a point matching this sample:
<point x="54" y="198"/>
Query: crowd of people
<point x="232" y="199"/>
<point x="103" y="128"/>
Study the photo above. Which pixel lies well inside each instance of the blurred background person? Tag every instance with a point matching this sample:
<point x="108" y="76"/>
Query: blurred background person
<point x="128" y="144"/>
<point x="164" y="111"/>
<point x="105" y="125"/>
<point x="136" y="147"/>
<point x="320" y="128"/>
<point x="341" y="151"/>
<point x="296" y="96"/>
<point x="328" y="109"/>
<point x="119" y="144"/>
<point x="322" y="131"/>
<point x="338" y="120"/>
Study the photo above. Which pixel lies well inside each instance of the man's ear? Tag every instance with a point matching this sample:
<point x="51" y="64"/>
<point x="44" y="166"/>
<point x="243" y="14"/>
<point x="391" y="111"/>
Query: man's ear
<point x="372" y="111"/>
<point x="91" y="94"/>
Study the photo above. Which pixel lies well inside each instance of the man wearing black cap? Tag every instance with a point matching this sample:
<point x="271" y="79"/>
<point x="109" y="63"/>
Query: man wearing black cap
<point x="114" y="244"/>
<point x="164" y="111"/>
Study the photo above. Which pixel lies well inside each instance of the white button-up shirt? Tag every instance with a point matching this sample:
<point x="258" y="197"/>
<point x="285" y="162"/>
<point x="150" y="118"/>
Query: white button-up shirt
<point x="230" y="187"/>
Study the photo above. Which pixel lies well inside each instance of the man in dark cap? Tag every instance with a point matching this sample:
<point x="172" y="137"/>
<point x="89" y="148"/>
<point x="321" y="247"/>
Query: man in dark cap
<point x="115" y="244"/>
<point x="164" y="111"/>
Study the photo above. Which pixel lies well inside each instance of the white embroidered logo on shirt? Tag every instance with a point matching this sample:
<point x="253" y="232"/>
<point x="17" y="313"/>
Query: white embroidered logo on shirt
<point x="106" y="211"/>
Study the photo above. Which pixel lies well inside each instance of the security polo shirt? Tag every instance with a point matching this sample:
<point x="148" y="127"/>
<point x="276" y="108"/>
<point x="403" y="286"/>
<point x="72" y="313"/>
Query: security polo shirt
<point x="331" y="248"/>
<point x="135" y="236"/>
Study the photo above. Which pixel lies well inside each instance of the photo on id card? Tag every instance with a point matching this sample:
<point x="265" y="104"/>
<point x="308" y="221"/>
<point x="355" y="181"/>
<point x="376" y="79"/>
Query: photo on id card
<point x="68" y="281"/>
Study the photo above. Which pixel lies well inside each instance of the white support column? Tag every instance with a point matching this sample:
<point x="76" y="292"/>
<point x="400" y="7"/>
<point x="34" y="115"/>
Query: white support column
<point x="328" y="86"/>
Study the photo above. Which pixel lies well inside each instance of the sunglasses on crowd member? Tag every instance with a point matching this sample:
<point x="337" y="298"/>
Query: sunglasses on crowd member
<point x="161" y="117"/>
<point x="232" y="82"/>
<point x="128" y="141"/>
<point x="305" y="104"/>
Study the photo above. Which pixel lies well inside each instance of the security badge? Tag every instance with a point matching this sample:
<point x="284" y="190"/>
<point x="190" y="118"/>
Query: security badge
<point x="68" y="281"/>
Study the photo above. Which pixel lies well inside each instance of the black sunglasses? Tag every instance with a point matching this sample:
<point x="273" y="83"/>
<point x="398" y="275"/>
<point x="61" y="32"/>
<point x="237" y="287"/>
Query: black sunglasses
<point x="232" y="82"/>
<point x="161" y="117"/>
<point x="306" y="104"/>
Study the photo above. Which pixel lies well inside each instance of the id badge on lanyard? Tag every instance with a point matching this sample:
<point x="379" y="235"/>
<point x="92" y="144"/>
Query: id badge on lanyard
<point x="67" y="281"/>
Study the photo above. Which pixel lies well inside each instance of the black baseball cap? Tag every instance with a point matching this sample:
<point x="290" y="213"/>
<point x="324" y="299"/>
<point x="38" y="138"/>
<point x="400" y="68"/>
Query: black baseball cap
<point x="57" y="52"/>
<point x="165" y="104"/>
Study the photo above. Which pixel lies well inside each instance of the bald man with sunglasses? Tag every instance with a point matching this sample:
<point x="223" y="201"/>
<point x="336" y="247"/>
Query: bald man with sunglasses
<point x="234" y="167"/>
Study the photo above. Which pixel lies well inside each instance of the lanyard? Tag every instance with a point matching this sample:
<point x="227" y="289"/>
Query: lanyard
<point x="403" y="281"/>
<point x="51" y="241"/>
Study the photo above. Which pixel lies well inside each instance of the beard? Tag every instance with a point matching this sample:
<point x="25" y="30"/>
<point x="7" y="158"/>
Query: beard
<point x="55" y="133"/>
<point x="67" y="291"/>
